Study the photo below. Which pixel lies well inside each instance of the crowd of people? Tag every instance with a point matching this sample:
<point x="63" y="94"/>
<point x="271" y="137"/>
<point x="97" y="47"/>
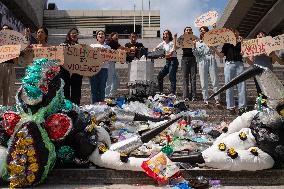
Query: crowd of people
<point x="105" y="82"/>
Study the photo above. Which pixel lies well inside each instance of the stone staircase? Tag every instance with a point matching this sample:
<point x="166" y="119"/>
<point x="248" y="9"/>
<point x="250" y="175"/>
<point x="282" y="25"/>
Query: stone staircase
<point x="93" y="176"/>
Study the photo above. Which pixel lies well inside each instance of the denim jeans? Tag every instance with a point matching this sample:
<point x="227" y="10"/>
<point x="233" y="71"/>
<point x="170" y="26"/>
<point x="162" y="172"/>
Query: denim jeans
<point x="189" y="69"/>
<point x="171" y="68"/>
<point x="98" y="85"/>
<point x="112" y="81"/>
<point x="231" y="70"/>
<point x="208" y="66"/>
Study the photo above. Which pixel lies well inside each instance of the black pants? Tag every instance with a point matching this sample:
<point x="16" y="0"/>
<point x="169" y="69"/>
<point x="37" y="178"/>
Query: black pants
<point x="189" y="70"/>
<point x="72" y="87"/>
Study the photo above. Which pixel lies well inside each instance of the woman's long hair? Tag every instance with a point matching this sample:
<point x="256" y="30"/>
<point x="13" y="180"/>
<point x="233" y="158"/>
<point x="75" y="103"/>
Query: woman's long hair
<point x="68" y="39"/>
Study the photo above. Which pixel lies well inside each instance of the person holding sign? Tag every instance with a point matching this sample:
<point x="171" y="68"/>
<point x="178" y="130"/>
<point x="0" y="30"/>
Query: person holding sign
<point x="171" y="62"/>
<point x="207" y="64"/>
<point x="134" y="47"/>
<point x="263" y="60"/>
<point x="188" y="67"/>
<point x="98" y="81"/>
<point x="7" y="73"/>
<point x="233" y="67"/>
<point x="73" y="82"/>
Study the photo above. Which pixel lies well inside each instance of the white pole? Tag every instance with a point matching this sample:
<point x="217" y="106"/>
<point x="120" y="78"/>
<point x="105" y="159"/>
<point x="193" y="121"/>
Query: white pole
<point x="142" y="33"/>
<point x="149" y="14"/>
<point x="134" y="19"/>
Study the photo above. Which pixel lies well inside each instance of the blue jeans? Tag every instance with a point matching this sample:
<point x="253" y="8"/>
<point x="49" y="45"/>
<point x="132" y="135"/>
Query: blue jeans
<point x="112" y="81"/>
<point x="231" y="70"/>
<point x="98" y="85"/>
<point x="171" y="68"/>
<point x="208" y="65"/>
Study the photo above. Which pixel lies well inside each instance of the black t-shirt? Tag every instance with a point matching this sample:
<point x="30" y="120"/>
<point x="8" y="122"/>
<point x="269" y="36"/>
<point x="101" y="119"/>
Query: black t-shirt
<point x="232" y="52"/>
<point x="113" y="44"/>
<point x="187" y="52"/>
<point x="137" y="46"/>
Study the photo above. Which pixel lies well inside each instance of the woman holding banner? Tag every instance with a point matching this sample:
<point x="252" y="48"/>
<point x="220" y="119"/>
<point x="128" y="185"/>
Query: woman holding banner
<point x="263" y="60"/>
<point x="171" y="62"/>
<point x="73" y="82"/>
<point x="99" y="81"/>
<point x="205" y="57"/>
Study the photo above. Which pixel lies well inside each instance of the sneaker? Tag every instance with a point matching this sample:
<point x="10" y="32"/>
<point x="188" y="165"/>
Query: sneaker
<point x="194" y="99"/>
<point x="241" y="111"/>
<point x="232" y="111"/>
<point x="217" y="103"/>
<point x="206" y="103"/>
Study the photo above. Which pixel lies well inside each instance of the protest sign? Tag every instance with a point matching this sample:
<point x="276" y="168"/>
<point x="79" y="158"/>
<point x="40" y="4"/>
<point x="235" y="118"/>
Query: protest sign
<point x="83" y="60"/>
<point x="206" y="19"/>
<point x="11" y="37"/>
<point x="219" y="36"/>
<point x="186" y="41"/>
<point x="275" y="43"/>
<point x="8" y="52"/>
<point x="52" y="52"/>
<point x="113" y="55"/>
<point x="265" y="45"/>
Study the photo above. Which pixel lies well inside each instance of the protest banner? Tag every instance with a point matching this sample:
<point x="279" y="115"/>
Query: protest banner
<point x="219" y="36"/>
<point x="83" y="60"/>
<point x="8" y="52"/>
<point x="186" y="41"/>
<point x="113" y="55"/>
<point x="265" y="45"/>
<point x="275" y="43"/>
<point x="52" y="52"/>
<point x="206" y="19"/>
<point x="11" y="37"/>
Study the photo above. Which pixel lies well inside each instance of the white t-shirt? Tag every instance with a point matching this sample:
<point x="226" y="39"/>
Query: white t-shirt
<point x="104" y="46"/>
<point x="168" y="47"/>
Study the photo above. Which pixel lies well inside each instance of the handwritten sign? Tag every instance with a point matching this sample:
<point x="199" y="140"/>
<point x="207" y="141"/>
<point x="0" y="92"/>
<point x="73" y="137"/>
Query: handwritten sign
<point x="11" y="37"/>
<point x="52" y="52"/>
<point x="206" y="19"/>
<point x="83" y="60"/>
<point x="113" y="55"/>
<point x="186" y="41"/>
<point x="219" y="36"/>
<point x="275" y="43"/>
<point x="264" y="45"/>
<point x="8" y="52"/>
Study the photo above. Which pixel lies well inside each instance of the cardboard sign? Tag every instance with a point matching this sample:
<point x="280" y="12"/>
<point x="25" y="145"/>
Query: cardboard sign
<point x="274" y="44"/>
<point x="186" y="41"/>
<point x="82" y="59"/>
<point x="8" y="52"/>
<point x="206" y="19"/>
<point x="52" y="52"/>
<point x="113" y="55"/>
<point x="253" y="47"/>
<point x="11" y="37"/>
<point x="219" y="36"/>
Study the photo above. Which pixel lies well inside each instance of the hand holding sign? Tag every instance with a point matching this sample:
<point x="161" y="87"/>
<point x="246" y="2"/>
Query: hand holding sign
<point x="206" y="19"/>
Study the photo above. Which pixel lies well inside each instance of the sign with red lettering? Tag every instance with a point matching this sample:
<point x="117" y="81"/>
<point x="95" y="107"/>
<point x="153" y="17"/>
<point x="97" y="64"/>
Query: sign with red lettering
<point x="52" y="52"/>
<point x="186" y="41"/>
<point x="219" y="36"/>
<point x="11" y="37"/>
<point x="253" y="47"/>
<point x="113" y="55"/>
<point x="8" y="52"/>
<point x="206" y="19"/>
<point x="83" y="60"/>
<point x="264" y="45"/>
